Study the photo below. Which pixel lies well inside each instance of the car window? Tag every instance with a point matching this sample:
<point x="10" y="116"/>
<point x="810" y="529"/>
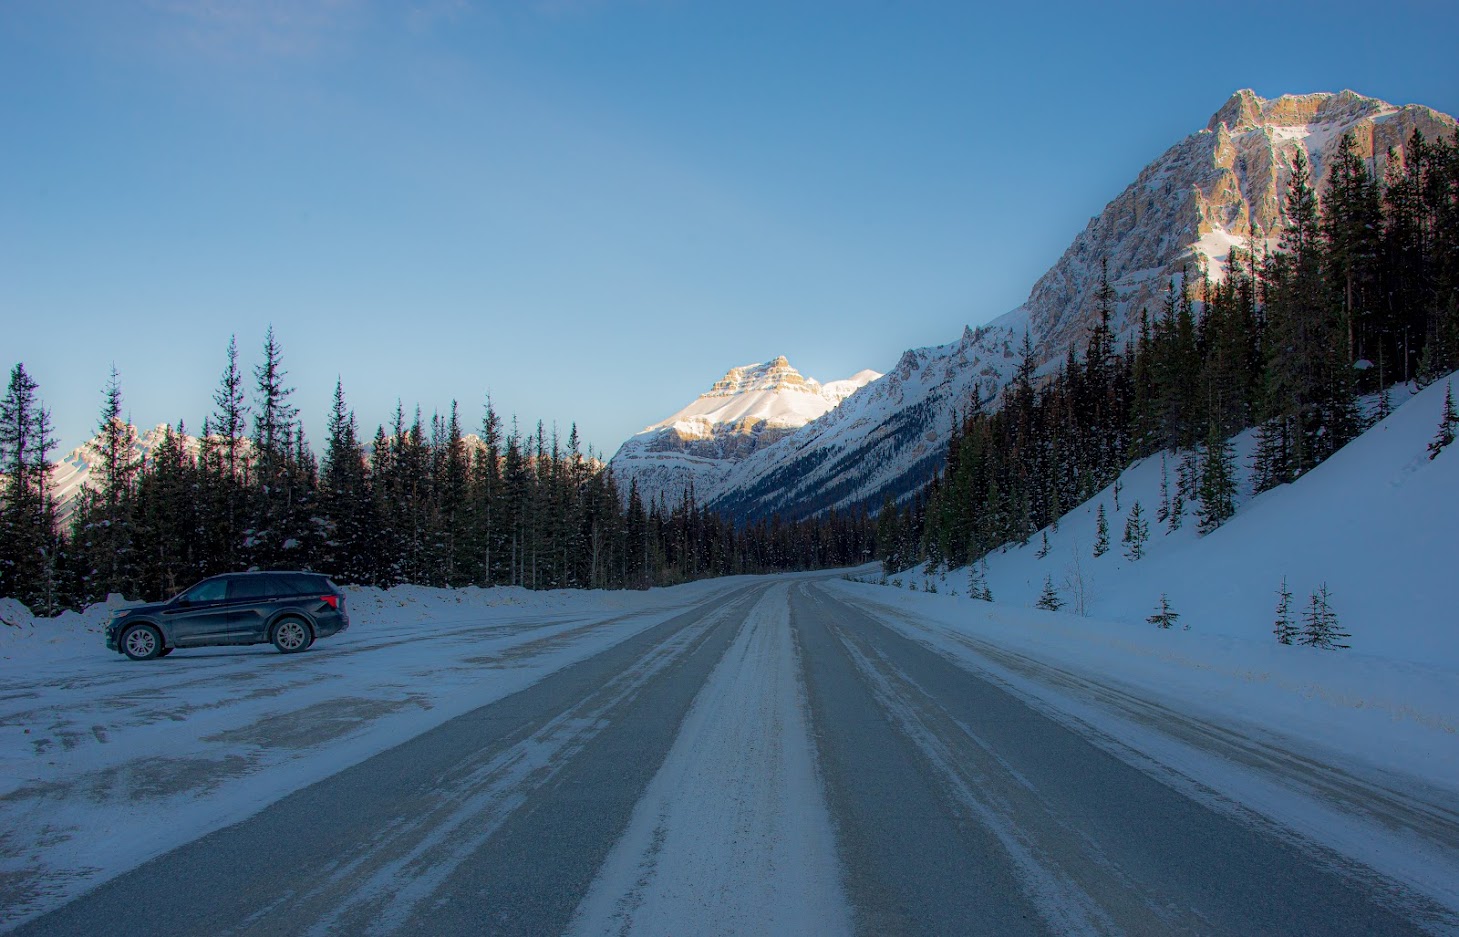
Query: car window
<point x="302" y="584"/>
<point x="251" y="587"/>
<point x="209" y="590"/>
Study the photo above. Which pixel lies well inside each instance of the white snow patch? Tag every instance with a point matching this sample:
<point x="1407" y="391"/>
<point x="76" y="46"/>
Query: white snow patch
<point x="733" y="835"/>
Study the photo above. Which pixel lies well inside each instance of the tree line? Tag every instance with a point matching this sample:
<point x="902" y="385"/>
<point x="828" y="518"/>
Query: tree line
<point x="422" y="502"/>
<point x="1361" y="292"/>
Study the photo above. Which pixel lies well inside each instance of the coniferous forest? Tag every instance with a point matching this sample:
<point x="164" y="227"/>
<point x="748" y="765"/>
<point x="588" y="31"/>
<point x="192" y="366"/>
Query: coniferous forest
<point x="1361" y="292"/>
<point x="419" y="502"/>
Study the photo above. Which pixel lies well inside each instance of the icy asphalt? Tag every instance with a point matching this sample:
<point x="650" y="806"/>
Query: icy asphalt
<point x="779" y="759"/>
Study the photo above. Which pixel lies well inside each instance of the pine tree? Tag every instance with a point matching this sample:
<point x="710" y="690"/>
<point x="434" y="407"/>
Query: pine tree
<point x="1043" y="549"/>
<point x="1101" y="532"/>
<point x="1177" y="500"/>
<point x="30" y="547"/>
<point x="228" y="467"/>
<point x="101" y="541"/>
<point x="1217" y="482"/>
<point x="1049" y="598"/>
<point x="1319" y="622"/>
<point x="1162" y="513"/>
<point x="1448" y="422"/>
<point x="347" y="504"/>
<point x="1137" y="531"/>
<point x="1164" y="616"/>
<point x="1284" y="627"/>
<point x="978" y="583"/>
<point x="273" y="523"/>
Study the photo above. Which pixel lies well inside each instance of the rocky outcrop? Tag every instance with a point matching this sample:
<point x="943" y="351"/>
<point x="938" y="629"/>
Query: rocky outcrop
<point x="1220" y="187"/>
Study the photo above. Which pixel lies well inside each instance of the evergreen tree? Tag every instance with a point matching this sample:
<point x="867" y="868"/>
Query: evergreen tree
<point x="1043" y="549"/>
<point x="1162" y="513"/>
<point x="347" y="504"/>
<point x="1049" y="598"/>
<point x="169" y="519"/>
<point x="1284" y="628"/>
<point x="1164" y="616"/>
<point x="1176" y="516"/>
<point x="1218" y="482"/>
<point x="1101" y="532"/>
<point x="1448" y="422"/>
<point x="101" y="525"/>
<point x="1319" y="622"/>
<point x="1137" y="531"/>
<point x="227" y="462"/>
<point x="30" y="547"/>
<point x="978" y="583"/>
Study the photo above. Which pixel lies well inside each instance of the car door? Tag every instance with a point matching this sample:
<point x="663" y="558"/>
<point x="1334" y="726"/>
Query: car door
<point x="200" y="615"/>
<point x="253" y="599"/>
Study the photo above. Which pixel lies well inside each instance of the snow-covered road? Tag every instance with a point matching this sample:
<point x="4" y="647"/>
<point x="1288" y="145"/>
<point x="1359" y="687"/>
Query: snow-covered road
<point x="756" y="755"/>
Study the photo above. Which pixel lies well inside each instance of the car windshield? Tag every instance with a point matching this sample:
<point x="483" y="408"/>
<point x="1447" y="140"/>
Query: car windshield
<point x="209" y="590"/>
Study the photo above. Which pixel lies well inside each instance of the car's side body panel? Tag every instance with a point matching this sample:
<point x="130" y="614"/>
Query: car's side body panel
<point x="239" y="608"/>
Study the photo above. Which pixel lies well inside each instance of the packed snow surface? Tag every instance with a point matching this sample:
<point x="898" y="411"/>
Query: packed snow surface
<point x="734" y="828"/>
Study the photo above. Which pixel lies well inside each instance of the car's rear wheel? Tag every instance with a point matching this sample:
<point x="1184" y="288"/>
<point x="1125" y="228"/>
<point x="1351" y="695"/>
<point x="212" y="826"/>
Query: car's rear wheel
<point x="292" y="636"/>
<point x="142" y="642"/>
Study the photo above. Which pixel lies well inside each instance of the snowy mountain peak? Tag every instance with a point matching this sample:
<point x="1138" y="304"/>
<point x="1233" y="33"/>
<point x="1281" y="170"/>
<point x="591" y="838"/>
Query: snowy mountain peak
<point x="772" y="376"/>
<point x="1247" y="111"/>
<point x="752" y="406"/>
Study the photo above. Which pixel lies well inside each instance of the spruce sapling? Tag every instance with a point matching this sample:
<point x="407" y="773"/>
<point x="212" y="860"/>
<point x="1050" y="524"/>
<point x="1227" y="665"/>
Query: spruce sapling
<point x="1448" y="422"/>
<point x="1101" y="533"/>
<point x="1043" y="549"/>
<point x="1284" y="627"/>
<point x="1320" y="626"/>
<point x="1164" y="616"/>
<point x="1049" y="599"/>
<point x="1162" y="513"/>
<point x="1137" y="531"/>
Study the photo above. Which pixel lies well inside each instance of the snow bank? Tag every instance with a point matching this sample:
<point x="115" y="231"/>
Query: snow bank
<point x="1378" y="523"/>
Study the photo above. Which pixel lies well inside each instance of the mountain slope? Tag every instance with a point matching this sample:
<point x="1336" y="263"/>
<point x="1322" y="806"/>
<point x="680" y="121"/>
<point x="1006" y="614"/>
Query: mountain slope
<point x="1219" y="187"/>
<point x="749" y="408"/>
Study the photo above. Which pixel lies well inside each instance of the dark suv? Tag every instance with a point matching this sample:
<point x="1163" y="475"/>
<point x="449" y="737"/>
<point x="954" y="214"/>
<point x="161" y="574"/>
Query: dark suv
<point x="287" y="609"/>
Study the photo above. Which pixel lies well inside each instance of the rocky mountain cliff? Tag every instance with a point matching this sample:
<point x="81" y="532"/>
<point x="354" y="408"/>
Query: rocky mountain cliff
<point x="749" y="408"/>
<point x="1220" y="187"/>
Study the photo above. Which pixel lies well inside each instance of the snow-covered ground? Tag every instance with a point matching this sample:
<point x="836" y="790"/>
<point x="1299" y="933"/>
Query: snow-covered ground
<point x="1378" y="524"/>
<point x="106" y="762"/>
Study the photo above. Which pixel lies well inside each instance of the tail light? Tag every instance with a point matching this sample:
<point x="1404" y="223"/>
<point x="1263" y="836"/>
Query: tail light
<point x="333" y="601"/>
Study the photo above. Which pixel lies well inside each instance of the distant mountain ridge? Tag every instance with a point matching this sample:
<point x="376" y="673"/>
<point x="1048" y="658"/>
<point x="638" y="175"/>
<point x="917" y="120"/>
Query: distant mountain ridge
<point x="1220" y="187"/>
<point x="751" y="407"/>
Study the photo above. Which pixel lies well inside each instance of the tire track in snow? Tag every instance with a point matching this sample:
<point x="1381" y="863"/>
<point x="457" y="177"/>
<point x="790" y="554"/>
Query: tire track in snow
<point x="1092" y="843"/>
<point x="459" y="830"/>
<point x="1399" y="837"/>
<point x="733" y="835"/>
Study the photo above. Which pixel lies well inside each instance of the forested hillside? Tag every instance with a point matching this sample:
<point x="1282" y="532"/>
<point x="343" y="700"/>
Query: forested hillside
<point x="1361" y="292"/>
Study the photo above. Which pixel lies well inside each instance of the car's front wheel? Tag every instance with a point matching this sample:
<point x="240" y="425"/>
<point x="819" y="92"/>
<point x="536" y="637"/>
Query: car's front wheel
<point x="291" y="636"/>
<point x="142" y="642"/>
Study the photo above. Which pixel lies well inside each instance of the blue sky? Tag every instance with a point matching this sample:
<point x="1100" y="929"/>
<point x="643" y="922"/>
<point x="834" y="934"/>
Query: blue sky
<point x="589" y="208"/>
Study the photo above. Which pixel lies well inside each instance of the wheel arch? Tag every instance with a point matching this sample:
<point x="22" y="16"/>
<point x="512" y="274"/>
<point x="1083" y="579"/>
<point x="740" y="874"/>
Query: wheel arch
<point x="154" y="623"/>
<point x="284" y="614"/>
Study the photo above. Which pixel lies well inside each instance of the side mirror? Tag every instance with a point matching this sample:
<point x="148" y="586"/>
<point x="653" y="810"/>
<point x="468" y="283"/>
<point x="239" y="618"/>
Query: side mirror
<point x="184" y="601"/>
